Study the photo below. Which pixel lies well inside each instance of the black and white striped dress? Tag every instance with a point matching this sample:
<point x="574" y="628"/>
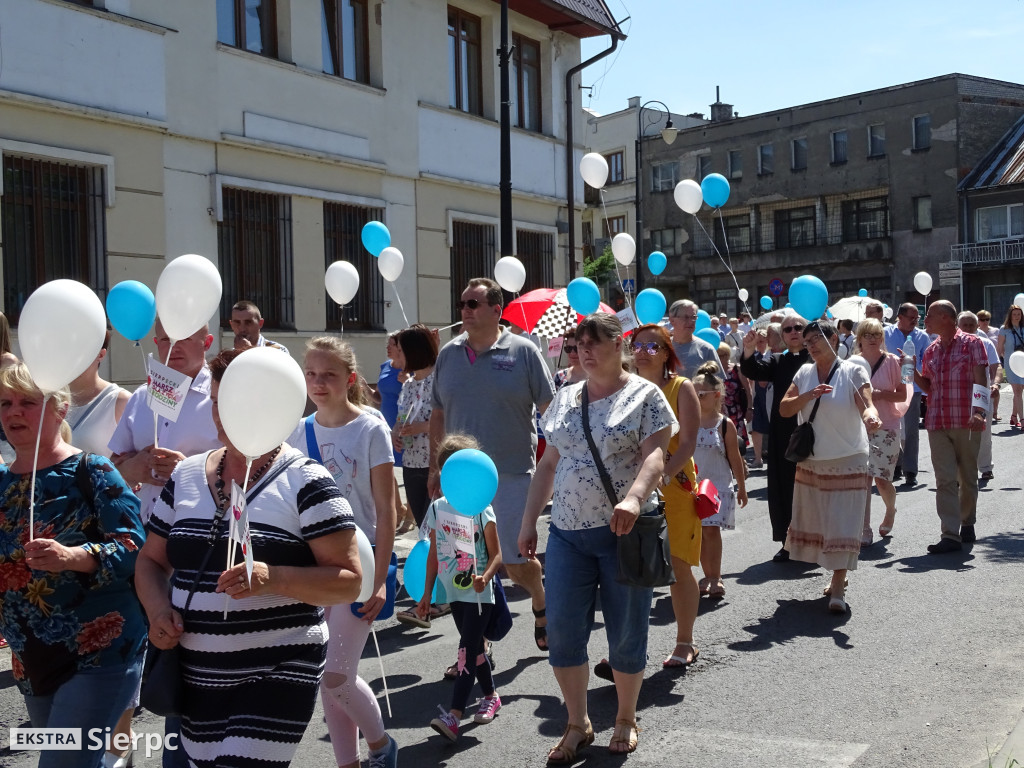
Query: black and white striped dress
<point x="251" y="679"/>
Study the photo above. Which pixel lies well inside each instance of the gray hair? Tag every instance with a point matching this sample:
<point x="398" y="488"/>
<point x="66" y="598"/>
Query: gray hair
<point x="673" y="311"/>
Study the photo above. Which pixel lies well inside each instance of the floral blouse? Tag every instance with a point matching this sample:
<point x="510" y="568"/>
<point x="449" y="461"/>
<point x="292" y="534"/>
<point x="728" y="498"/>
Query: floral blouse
<point x="62" y="623"/>
<point x="415" y="400"/>
<point x="619" y="424"/>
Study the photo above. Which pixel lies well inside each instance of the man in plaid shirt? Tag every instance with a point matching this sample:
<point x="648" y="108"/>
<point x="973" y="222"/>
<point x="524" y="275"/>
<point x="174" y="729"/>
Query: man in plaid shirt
<point x="951" y="366"/>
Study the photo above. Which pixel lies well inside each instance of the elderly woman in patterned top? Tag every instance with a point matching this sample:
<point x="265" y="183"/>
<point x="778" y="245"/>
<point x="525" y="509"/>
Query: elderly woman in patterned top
<point x="66" y="607"/>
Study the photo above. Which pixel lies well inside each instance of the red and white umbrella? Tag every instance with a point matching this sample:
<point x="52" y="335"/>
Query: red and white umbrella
<point x="546" y="312"/>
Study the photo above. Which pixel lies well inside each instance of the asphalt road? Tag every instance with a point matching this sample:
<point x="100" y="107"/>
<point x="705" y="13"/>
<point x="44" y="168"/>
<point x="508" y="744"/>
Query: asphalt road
<point x="926" y="670"/>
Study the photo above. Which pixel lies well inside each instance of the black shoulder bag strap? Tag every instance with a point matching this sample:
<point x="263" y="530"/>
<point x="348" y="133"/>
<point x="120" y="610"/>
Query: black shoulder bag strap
<point x="817" y="402"/>
<point x="606" y="481"/>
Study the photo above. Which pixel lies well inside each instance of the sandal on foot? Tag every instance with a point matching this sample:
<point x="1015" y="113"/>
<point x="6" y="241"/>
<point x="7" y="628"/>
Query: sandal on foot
<point x="569" y="753"/>
<point x="629" y="740"/>
<point x="675" y="661"/>
<point x="409" y="617"/>
<point x="540" y="633"/>
<point x="838" y="605"/>
<point x="717" y="590"/>
<point x="887" y="522"/>
<point x="827" y="591"/>
<point x="703" y="586"/>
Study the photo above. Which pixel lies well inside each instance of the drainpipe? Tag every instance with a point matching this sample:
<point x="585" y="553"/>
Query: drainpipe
<point x="570" y="164"/>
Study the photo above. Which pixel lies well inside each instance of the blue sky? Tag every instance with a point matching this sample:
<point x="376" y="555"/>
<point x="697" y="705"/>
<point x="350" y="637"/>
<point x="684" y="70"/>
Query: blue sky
<point x="782" y="53"/>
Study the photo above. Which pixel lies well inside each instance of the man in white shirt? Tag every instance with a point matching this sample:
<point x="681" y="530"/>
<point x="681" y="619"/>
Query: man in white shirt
<point x="247" y="323"/>
<point x="968" y="323"/>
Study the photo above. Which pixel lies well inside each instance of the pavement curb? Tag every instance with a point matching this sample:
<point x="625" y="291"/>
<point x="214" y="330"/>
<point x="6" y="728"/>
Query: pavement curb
<point x="1012" y="749"/>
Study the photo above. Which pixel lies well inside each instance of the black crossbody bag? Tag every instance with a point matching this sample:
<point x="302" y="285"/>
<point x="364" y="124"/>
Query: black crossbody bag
<point x="644" y="558"/>
<point x="801" y="442"/>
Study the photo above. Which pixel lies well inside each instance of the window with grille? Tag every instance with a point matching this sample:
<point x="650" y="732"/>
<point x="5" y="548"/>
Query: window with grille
<point x="794" y="227"/>
<point x="473" y="252"/>
<point x="537" y="252"/>
<point x="343" y="226"/>
<point x="254" y="241"/>
<point x="668" y="241"/>
<point x="248" y="24"/>
<point x="736" y="233"/>
<point x="345" y="39"/>
<point x="54" y="226"/>
<point x="527" y="83"/>
<point x="866" y="219"/>
<point x="465" y="81"/>
<point x="840" y="145"/>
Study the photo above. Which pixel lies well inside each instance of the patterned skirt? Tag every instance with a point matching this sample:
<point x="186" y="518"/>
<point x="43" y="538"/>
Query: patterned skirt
<point x="829" y="499"/>
<point x="883" y="451"/>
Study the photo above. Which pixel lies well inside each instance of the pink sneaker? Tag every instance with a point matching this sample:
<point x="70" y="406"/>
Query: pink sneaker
<point x="487" y="709"/>
<point x="446" y="725"/>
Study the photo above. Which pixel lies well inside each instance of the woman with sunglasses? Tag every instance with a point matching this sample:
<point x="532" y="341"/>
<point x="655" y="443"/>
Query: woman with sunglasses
<point x="831" y="483"/>
<point x="574" y="373"/>
<point x="779" y="371"/>
<point x="656" y="361"/>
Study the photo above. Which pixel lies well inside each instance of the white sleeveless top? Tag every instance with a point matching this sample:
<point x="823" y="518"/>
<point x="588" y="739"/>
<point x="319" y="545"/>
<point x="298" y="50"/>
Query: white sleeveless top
<point x="93" y="424"/>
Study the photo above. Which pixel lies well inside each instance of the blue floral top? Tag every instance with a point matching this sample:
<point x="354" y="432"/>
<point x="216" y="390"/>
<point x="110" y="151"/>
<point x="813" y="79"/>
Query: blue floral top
<point x="60" y="623"/>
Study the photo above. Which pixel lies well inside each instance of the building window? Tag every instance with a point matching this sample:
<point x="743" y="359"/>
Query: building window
<point x="54" y="226"/>
<point x="614" y="225"/>
<point x="668" y="241"/>
<point x="615" y="170"/>
<point x="794" y="227"/>
<point x="922" y="213"/>
<point x="798" y="161"/>
<point x="737" y="233"/>
<point x="465" y="82"/>
<point x="254" y="241"/>
<point x="866" y="219"/>
<point x="876" y="140"/>
<point x="526" y="77"/>
<point x="765" y="159"/>
<point x="663" y="177"/>
<point x="537" y="252"/>
<point x="922" y="132"/>
<point x="840" y="144"/>
<point x="999" y="222"/>
<point x="735" y="164"/>
<point x="703" y="166"/>
<point x="343" y="225"/>
<point x="248" y="24"/>
<point x="345" y="39"/>
<point x="473" y="252"/>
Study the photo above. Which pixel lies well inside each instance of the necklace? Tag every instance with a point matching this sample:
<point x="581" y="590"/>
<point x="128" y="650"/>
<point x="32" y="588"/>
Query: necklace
<point x="222" y="499"/>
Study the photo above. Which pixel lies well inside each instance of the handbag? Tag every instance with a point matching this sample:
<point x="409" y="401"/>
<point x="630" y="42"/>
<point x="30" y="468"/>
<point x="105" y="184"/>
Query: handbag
<point x="644" y="559"/>
<point x="801" y="442"/>
<point x="500" y="622"/>
<point x="163" y="690"/>
<point x="705" y="499"/>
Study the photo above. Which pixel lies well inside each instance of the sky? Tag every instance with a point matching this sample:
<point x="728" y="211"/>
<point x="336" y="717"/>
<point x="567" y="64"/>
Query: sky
<point x="774" y="54"/>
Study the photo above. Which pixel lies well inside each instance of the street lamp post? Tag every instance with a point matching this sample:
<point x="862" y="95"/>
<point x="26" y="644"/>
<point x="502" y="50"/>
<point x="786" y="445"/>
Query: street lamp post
<point x="668" y="135"/>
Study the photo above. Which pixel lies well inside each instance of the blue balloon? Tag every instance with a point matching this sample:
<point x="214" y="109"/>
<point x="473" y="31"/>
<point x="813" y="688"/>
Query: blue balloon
<point x="789" y="306"/>
<point x="766" y="302"/>
<point x="650" y="306"/>
<point x="414" y="575"/>
<point x="715" y="188"/>
<point x="131" y="308"/>
<point x="703" y="321"/>
<point x="584" y="295"/>
<point x="376" y="237"/>
<point x="657" y="262"/>
<point x="469" y="481"/>
<point x="710" y="335"/>
<point x="809" y="296"/>
<point x="862" y="292"/>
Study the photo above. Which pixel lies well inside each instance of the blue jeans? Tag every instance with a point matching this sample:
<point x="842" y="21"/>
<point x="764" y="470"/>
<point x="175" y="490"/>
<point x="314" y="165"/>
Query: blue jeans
<point x="580" y="565"/>
<point x="92" y="699"/>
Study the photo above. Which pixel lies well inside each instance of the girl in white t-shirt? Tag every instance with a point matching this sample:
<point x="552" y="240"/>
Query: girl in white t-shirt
<point x="355" y="446"/>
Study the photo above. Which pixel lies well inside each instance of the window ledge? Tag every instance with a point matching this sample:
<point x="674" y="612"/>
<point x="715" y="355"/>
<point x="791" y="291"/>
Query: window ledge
<point x="117" y="18"/>
<point x="877" y="157"/>
<point x="798" y="170"/>
<point x="292" y="67"/>
<point x="837" y="163"/>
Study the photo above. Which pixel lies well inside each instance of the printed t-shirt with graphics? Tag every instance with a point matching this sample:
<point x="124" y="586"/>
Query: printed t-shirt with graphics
<point x="455" y="566"/>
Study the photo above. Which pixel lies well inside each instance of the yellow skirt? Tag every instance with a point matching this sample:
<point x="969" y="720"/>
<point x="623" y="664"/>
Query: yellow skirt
<point x="684" y="529"/>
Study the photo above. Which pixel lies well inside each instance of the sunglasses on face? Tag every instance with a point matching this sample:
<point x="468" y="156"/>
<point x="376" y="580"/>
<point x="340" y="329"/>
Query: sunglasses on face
<point x="650" y="347"/>
<point x="791" y="328"/>
<point x="469" y="304"/>
<point x="570" y="349"/>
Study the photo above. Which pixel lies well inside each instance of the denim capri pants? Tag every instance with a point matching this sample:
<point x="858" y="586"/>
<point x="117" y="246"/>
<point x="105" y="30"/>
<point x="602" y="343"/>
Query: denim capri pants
<point x="579" y="565"/>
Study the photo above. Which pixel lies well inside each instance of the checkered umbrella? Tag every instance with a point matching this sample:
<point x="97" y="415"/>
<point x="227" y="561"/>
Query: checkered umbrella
<point x="546" y="312"/>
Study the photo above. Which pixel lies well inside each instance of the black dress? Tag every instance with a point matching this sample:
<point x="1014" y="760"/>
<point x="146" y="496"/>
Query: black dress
<point x="779" y="370"/>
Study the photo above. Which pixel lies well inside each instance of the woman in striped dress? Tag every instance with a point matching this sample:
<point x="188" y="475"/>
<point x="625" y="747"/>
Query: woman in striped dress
<point x="252" y="649"/>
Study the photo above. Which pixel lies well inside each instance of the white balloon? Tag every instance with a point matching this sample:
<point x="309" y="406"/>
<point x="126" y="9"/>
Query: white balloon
<point x="1016" y="363"/>
<point x="923" y="283"/>
<point x="594" y="169"/>
<point x="510" y="273"/>
<point x="744" y="294"/>
<point x="688" y="196"/>
<point x="187" y="295"/>
<point x="390" y="263"/>
<point x="367" y="562"/>
<point x="261" y="398"/>
<point x="886" y="313"/>
<point x="60" y="332"/>
<point x="624" y="248"/>
<point x="1019" y="300"/>
<point x="342" y="281"/>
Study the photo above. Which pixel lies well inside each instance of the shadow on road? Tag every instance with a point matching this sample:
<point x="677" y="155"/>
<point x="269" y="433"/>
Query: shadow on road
<point x="793" y="619"/>
<point x="953" y="561"/>
<point x="762" y="573"/>
<point x="1004" y="548"/>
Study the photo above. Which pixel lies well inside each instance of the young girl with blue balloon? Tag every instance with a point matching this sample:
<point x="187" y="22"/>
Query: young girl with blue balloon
<point x="463" y="583"/>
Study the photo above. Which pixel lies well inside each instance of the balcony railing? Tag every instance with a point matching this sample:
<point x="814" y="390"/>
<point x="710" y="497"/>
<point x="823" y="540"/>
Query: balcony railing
<point x="988" y="253"/>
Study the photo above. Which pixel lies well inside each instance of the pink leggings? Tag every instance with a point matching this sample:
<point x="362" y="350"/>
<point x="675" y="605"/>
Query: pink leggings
<point x="349" y="704"/>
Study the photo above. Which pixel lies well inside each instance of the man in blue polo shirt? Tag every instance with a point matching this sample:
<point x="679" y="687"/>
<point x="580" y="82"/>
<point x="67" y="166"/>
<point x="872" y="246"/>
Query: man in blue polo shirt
<point x="896" y="336"/>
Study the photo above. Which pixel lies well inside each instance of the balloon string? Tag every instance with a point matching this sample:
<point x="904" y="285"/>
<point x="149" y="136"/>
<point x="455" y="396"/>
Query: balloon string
<point x="399" y="299"/>
<point x="231" y="529"/>
<point x="32" y="488"/>
<point x="728" y="268"/>
<point x="449" y="327"/>
<point x="384" y="679"/>
<point x="618" y="274"/>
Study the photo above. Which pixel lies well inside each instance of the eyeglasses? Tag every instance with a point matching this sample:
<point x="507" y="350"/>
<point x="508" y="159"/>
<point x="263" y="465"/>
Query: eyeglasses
<point x="570" y="348"/>
<point x="469" y="304"/>
<point x="791" y="328"/>
<point x="813" y="339"/>
<point x="650" y="347"/>
<point x="871" y="336"/>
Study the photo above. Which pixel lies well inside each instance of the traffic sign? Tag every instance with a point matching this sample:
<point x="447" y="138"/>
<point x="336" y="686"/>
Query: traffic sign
<point x="776" y="287"/>
<point x="629" y="285"/>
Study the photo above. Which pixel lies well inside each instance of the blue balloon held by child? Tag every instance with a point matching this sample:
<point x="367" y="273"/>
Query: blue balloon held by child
<point x="657" y="262"/>
<point x="583" y="295"/>
<point x="469" y="481"/>
<point x="414" y="575"/>
<point x="376" y="237"/>
<point x="650" y="306"/>
<point x="131" y="307"/>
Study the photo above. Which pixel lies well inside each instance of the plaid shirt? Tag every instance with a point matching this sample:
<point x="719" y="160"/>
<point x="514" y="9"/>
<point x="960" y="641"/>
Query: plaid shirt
<point x="951" y="370"/>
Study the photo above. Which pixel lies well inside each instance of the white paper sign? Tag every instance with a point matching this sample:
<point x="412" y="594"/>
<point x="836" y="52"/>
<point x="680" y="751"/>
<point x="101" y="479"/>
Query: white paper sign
<point x="458" y="530"/>
<point x="555" y="346"/>
<point x="240" y="527"/>
<point x="628" y="319"/>
<point x="167" y="389"/>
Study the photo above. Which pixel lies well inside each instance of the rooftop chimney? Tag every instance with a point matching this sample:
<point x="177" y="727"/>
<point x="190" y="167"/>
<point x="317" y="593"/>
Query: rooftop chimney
<point x="720" y="112"/>
<point x="634" y="102"/>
